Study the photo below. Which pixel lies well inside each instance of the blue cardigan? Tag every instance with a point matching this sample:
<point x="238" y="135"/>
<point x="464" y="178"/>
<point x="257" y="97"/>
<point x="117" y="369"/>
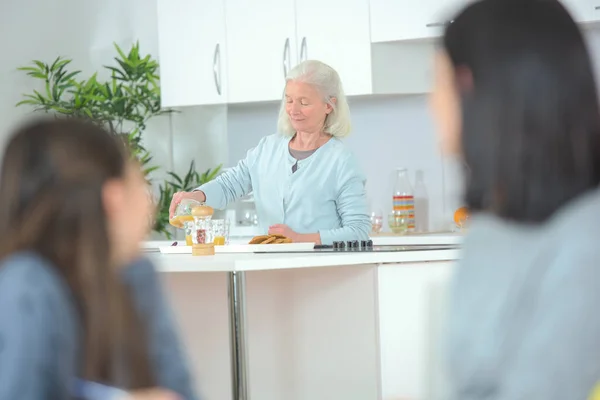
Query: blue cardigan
<point x="326" y="194"/>
<point x="39" y="331"/>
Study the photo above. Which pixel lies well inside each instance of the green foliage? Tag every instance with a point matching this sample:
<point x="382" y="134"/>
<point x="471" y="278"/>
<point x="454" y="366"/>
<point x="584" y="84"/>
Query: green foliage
<point x="123" y="104"/>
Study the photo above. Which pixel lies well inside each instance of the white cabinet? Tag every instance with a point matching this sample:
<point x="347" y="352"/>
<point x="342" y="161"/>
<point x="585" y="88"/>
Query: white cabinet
<point x="261" y="40"/>
<point x="342" y="42"/>
<point x="192" y="52"/>
<point x="283" y="33"/>
<point x="583" y="10"/>
<point x="394" y="20"/>
<point x="239" y="51"/>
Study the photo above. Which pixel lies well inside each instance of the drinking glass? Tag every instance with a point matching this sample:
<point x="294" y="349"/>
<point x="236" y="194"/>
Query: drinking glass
<point x="220" y="228"/>
<point x="376" y="220"/>
<point x="398" y="221"/>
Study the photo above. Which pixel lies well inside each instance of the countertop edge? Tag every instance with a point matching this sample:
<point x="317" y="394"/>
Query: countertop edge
<point x="277" y="261"/>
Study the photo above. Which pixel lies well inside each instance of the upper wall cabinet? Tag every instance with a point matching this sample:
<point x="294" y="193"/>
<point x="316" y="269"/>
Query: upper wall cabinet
<point x="192" y="52"/>
<point x="261" y="40"/>
<point x="344" y="42"/>
<point x="394" y="20"/>
<point x="266" y="38"/>
<point x="583" y="10"/>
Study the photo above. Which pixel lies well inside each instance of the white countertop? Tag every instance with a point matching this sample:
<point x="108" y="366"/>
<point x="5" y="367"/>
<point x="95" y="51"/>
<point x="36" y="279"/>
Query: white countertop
<point x="445" y="238"/>
<point x="256" y="262"/>
<point x="418" y="239"/>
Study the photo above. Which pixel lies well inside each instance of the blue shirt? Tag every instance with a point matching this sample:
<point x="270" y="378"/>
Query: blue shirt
<point x="523" y="318"/>
<point x="326" y="194"/>
<point x="40" y="331"/>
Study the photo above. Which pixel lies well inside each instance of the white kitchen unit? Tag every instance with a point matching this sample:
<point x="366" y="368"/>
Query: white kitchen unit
<point x="583" y="11"/>
<point x="261" y="40"/>
<point x="394" y="20"/>
<point x="192" y="52"/>
<point x="318" y="326"/>
<point x="282" y="33"/>
<point x="237" y="51"/>
<point x="337" y="32"/>
<point x="286" y="32"/>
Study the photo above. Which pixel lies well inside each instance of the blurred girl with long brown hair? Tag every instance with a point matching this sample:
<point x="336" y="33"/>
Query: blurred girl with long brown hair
<point x="77" y="303"/>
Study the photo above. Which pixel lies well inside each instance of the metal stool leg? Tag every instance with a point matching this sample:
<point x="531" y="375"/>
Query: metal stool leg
<point x="237" y="334"/>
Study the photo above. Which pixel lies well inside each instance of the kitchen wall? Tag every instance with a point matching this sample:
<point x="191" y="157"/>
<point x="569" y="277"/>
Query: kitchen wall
<point x="85" y="31"/>
<point x="388" y="132"/>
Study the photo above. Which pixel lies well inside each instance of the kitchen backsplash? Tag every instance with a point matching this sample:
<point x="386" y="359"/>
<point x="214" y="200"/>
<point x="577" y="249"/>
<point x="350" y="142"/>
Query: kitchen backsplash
<point x="388" y="132"/>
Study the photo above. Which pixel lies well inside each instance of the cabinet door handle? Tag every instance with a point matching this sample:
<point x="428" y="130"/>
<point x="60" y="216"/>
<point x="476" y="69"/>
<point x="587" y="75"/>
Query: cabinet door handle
<point x="597" y="7"/>
<point x="217" y="71"/>
<point x="286" y="52"/>
<point x="439" y="24"/>
<point x="303" y="50"/>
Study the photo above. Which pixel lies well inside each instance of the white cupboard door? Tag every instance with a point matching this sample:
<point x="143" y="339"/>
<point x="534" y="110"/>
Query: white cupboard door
<point x="192" y="52"/>
<point x="343" y="41"/>
<point x="261" y="42"/>
<point x="395" y="20"/>
<point x="583" y="10"/>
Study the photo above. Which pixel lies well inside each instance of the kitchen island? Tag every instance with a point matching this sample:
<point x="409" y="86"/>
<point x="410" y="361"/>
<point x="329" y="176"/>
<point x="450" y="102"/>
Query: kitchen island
<point x="349" y="325"/>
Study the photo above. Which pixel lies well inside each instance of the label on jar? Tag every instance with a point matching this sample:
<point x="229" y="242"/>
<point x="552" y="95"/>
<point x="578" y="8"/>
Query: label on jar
<point x="200" y="236"/>
<point x="406" y="204"/>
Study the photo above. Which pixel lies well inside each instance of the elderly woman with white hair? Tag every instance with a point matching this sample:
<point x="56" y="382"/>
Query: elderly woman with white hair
<point x="307" y="185"/>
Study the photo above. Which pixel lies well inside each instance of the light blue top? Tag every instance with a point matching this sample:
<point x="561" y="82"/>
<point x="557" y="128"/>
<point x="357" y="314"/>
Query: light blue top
<point x="41" y="333"/>
<point x="523" y="320"/>
<point x="326" y="194"/>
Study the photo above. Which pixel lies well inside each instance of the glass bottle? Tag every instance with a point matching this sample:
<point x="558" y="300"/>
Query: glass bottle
<point x="403" y="199"/>
<point x="421" y="204"/>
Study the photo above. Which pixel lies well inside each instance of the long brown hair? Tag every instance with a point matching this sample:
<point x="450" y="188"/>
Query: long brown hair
<point x="51" y="181"/>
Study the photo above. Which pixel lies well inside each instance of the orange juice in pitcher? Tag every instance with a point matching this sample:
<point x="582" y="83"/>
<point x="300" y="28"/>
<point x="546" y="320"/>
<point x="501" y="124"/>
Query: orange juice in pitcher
<point x="181" y="222"/>
<point x="183" y="218"/>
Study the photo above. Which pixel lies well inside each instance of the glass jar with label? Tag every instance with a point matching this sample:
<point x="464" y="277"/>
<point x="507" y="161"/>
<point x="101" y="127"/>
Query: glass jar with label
<point x="203" y="235"/>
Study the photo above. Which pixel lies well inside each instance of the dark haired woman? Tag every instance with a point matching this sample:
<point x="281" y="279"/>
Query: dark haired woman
<point x="515" y="97"/>
<point x="80" y="314"/>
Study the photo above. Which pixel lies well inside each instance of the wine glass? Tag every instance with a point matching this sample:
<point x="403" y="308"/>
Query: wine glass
<point x="376" y="220"/>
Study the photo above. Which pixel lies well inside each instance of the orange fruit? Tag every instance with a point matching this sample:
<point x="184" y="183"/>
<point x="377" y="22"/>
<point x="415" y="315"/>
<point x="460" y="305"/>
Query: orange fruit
<point x="595" y="395"/>
<point x="461" y="215"/>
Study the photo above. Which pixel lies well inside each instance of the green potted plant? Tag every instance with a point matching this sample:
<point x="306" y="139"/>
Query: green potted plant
<point x="124" y="104"/>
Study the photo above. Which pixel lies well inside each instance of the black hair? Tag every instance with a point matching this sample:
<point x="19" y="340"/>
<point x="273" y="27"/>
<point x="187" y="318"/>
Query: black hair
<point x="531" y="120"/>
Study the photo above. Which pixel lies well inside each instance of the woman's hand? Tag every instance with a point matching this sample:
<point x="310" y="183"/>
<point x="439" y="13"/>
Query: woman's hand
<point x="152" y="394"/>
<point x="284" y="230"/>
<point x="177" y="197"/>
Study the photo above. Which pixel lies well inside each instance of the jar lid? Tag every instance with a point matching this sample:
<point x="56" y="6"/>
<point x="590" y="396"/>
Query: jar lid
<point x="202" y="211"/>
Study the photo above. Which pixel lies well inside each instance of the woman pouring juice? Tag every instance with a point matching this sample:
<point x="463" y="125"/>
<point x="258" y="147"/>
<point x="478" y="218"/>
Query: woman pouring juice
<point x="184" y="219"/>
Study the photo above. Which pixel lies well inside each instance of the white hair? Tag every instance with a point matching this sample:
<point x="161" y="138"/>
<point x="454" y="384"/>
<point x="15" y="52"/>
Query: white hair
<point x="327" y="82"/>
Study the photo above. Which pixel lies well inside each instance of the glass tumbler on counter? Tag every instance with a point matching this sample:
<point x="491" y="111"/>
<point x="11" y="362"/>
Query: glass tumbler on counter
<point x="398" y="221"/>
<point x="220" y="230"/>
<point x="376" y="220"/>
